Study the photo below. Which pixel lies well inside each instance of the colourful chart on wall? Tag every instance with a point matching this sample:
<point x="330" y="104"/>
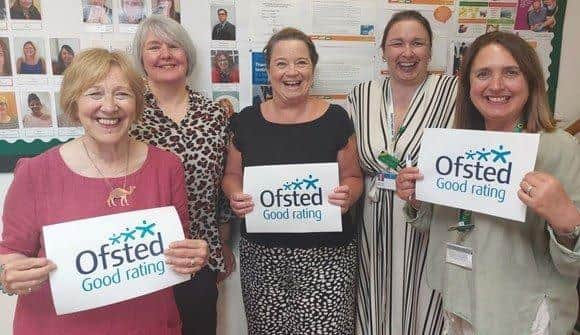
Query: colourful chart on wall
<point x="347" y="35"/>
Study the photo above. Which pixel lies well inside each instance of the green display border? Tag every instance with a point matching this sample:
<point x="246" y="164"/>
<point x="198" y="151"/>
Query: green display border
<point x="554" y="68"/>
<point x="11" y="152"/>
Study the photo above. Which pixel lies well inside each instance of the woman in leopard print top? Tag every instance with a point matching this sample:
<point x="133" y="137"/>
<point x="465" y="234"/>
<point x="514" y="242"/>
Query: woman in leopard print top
<point x="194" y="128"/>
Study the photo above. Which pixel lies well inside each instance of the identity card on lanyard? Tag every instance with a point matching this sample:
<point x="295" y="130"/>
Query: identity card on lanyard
<point x="386" y="179"/>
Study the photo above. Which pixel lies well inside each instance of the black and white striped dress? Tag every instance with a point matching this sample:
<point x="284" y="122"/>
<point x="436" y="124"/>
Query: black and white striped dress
<point x="393" y="296"/>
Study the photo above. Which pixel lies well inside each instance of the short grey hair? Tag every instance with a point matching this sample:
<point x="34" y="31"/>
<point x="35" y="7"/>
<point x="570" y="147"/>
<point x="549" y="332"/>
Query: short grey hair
<point x="169" y="31"/>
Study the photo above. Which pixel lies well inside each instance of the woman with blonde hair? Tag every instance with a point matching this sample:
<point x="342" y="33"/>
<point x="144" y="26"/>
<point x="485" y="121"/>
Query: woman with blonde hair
<point x="24" y="10"/>
<point x="73" y="181"/>
<point x="30" y="62"/>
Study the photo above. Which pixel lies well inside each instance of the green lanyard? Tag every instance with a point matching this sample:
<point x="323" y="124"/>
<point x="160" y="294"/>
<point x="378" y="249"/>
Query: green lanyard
<point x="464" y="223"/>
<point x="389" y="159"/>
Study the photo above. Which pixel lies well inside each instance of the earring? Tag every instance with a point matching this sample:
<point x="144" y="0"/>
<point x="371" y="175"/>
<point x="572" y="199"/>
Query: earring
<point x="384" y="59"/>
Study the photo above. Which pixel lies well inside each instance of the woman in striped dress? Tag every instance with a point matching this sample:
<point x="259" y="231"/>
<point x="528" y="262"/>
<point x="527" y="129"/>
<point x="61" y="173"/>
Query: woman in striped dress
<point x="389" y="116"/>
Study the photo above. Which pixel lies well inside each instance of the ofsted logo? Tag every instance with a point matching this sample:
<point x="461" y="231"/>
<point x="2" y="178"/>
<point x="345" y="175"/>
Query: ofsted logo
<point x="302" y="193"/>
<point x="486" y="169"/>
<point x="132" y="245"/>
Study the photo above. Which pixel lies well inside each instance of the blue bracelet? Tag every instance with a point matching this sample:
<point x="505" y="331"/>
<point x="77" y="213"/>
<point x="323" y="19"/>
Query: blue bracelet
<point x="2" y="286"/>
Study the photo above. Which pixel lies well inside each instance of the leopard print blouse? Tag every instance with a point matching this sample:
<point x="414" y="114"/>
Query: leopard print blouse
<point x="200" y="140"/>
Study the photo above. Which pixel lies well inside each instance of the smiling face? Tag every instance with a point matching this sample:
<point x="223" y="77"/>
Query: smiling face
<point x="66" y="56"/>
<point x="28" y="49"/>
<point x="407" y="52"/>
<point x="164" y="62"/>
<point x="222" y="62"/>
<point x="291" y="71"/>
<point x="35" y="106"/>
<point x="499" y="89"/>
<point x="107" y="109"/>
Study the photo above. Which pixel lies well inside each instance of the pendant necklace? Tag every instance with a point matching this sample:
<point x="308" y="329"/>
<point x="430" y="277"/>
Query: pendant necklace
<point x="120" y="193"/>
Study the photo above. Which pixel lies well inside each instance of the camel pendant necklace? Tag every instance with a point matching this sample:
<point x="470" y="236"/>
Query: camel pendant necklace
<point x="120" y="193"/>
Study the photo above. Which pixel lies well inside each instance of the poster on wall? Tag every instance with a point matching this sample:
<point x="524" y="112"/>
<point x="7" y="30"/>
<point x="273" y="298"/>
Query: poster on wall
<point x="456" y="24"/>
<point x="38" y="39"/>
<point x="26" y="15"/>
<point x="339" y="21"/>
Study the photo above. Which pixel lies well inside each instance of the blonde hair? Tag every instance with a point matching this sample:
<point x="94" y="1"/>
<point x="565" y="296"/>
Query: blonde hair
<point x="90" y="67"/>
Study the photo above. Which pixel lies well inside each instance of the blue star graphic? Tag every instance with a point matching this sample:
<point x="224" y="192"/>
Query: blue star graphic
<point x="297" y="184"/>
<point x="146" y="229"/>
<point x="470" y="154"/>
<point x="310" y="182"/>
<point x="129" y="234"/>
<point x="115" y="239"/>
<point x="482" y="155"/>
<point x="500" y="155"/>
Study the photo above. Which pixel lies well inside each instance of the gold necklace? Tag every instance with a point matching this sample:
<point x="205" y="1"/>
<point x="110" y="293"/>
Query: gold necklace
<point x="116" y="192"/>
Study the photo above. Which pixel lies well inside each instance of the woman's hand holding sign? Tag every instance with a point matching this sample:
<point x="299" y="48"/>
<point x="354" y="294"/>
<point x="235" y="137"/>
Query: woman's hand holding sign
<point x="22" y="275"/>
<point x="405" y="183"/>
<point x="546" y="196"/>
<point x="187" y="256"/>
<point x="241" y="204"/>
<point x="340" y="196"/>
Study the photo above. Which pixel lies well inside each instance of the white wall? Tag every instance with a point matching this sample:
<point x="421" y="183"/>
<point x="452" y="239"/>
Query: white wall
<point x="231" y="309"/>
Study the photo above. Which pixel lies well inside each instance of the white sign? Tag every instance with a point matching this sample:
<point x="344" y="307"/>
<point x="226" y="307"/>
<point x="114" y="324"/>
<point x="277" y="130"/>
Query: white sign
<point x="292" y="198"/>
<point x="476" y="170"/>
<point x="108" y="259"/>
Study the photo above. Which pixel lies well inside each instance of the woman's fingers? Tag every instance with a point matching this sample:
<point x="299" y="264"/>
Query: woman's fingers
<point x="25" y="274"/>
<point x="188" y="248"/>
<point x="241" y="204"/>
<point x="405" y="182"/>
<point x="185" y="262"/>
<point x="187" y="256"/>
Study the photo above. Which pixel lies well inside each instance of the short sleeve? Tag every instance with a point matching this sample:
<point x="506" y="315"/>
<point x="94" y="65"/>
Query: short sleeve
<point x="237" y="127"/>
<point x="343" y="126"/>
<point x="21" y="233"/>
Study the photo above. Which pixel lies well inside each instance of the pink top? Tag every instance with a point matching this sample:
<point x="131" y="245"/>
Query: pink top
<point x="45" y="191"/>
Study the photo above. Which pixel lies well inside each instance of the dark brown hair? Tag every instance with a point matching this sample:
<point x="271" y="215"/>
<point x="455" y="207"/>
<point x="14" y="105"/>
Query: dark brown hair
<point x="407" y="15"/>
<point x="290" y="34"/>
<point x="536" y="110"/>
